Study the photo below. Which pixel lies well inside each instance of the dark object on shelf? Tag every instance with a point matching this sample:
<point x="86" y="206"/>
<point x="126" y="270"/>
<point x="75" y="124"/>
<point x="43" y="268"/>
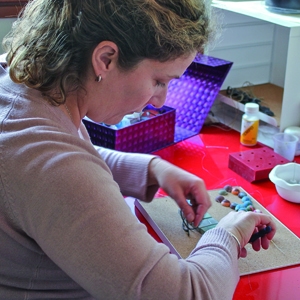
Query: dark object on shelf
<point x="244" y="98"/>
<point x="283" y="6"/>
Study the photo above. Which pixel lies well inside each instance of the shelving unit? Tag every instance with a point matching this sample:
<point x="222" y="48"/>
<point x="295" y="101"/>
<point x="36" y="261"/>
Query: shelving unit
<point x="272" y="98"/>
<point x="264" y="48"/>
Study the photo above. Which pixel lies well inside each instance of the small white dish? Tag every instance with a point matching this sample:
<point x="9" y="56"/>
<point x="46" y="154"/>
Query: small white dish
<point x="286" y="178"/>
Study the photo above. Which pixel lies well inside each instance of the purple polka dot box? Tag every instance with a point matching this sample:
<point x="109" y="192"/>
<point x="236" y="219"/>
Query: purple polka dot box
<point x="189" y="100"/>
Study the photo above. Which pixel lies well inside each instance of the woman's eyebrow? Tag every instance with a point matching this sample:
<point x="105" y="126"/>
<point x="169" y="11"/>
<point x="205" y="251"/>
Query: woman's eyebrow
<point x="173" y="76"/>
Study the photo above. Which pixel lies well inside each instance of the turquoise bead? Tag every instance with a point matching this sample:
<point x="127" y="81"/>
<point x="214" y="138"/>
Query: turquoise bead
<point x="246" y="198"/>
<point x="242" y="194"/>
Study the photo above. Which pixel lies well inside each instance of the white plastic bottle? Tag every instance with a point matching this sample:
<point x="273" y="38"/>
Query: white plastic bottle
<point x="250" y="123"/>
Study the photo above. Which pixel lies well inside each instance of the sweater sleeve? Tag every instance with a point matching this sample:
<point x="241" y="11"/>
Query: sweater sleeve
<point x="130" y="171"/>
<point x="70" y="217"/>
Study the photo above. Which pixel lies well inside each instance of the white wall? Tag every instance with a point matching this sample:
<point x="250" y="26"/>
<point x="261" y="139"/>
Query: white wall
<point x="5" y="25"/>
<point x="249" y="44"/>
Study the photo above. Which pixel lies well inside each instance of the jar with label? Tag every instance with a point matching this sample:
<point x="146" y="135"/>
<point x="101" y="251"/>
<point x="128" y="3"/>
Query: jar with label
<point x="250" y="123"/>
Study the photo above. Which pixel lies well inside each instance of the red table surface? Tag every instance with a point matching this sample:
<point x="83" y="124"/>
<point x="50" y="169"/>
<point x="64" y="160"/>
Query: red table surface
<point x="206" y="155"/>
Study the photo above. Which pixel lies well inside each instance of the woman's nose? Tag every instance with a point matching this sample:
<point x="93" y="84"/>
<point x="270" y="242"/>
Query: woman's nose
<point x="159" y="99"/>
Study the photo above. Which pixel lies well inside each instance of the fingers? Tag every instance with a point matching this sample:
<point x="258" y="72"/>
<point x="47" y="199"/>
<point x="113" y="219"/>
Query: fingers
<point x="246" y="224"/>
<point x="201" y="210"/>
<point x="263" y="237"/>
<point x="262" y="242"/>
<point x="265" y="243"/>
<point x="193" y="213"/>
<point x="190" y="187"/>
<point x="199" y="204"/>
<point x="243" y="252"/>
<point x="260" y="233"/>
<point x="263" y="220"/>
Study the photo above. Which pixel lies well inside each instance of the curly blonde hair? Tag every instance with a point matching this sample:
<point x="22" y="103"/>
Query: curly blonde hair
<point x="50" y="45"/>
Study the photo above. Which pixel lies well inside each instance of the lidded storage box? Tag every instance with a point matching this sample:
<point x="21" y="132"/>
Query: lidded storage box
<point x="189" y="100"/>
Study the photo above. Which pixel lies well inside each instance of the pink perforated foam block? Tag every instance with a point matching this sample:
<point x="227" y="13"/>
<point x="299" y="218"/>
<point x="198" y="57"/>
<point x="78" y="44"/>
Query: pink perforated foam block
<point x="255" y="164"/>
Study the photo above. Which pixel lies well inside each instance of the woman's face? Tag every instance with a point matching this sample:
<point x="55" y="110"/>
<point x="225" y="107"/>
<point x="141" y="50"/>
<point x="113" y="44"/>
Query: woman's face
<point x="121" y="93"/>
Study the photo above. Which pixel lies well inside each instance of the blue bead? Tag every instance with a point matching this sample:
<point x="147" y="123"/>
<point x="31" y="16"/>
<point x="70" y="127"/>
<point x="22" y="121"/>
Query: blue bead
<point x="242" y="194"/>
<point x="247" y="203"/>
<point x="246" y="198"/>
<point x="233" y="205"/>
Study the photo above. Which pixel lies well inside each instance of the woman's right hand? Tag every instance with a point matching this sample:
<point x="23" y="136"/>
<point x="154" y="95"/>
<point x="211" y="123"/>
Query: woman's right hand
<point x="243" y="224"/>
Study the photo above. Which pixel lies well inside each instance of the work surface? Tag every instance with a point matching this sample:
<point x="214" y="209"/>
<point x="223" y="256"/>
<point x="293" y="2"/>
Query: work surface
<point x="162" y="214"/>
<point x="206" y="155"/>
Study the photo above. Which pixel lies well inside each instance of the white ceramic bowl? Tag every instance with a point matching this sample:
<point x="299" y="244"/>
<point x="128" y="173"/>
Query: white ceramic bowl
<point x="287" y="181"/>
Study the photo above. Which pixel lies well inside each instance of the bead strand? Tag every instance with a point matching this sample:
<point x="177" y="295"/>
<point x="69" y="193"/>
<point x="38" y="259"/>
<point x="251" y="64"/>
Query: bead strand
<point x="246" y="204"/>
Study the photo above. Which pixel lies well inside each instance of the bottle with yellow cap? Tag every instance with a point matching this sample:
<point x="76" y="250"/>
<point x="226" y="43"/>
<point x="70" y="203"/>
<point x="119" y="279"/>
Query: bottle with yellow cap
<point x="250" y="123"/>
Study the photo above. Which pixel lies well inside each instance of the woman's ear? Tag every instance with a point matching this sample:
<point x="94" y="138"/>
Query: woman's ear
<point x="104" y="58"/>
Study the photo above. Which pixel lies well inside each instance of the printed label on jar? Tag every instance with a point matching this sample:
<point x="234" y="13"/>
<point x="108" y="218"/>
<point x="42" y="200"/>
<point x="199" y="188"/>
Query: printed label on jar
<point x="249" y="132"/>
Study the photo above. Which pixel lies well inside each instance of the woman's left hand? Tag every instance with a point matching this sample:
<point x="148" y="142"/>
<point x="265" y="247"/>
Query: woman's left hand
<point x="181" y="185"/>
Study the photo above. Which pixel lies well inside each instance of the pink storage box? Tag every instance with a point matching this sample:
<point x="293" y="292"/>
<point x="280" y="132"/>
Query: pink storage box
<point x="188" y="103"/>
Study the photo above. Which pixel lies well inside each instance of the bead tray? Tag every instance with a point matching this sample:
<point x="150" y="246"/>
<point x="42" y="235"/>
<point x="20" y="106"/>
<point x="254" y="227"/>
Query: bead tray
<point x="162" y="214"/>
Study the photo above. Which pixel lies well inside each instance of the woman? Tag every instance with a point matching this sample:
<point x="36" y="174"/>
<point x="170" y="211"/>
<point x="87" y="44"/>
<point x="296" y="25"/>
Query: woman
<point x="65" y="229"/>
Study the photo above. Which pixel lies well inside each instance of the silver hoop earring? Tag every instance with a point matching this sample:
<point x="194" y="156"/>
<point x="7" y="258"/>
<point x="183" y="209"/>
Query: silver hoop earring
<point x="98" y="78"/>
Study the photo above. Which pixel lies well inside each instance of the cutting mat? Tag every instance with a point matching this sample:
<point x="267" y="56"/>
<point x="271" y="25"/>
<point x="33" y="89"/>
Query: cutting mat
<point x="162" y="214"/>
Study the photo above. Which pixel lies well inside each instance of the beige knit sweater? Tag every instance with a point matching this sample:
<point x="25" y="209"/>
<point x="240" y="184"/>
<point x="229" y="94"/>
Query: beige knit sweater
<point x="65" y="229"/>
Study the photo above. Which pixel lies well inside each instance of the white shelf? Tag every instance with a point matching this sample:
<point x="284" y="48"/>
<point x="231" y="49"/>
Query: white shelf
<point x="229" y="114"/>
<point x="257" y="9"/>
<point x="267" y="119"/>
<point x="247" y="22"/>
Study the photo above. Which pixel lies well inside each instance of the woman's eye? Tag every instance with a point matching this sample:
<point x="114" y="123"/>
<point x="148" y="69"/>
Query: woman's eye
<point x="160" y="84"/>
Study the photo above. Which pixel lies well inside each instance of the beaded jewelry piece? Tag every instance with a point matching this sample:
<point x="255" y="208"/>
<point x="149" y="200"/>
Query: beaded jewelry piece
<point x="208" y="222"/>
<point x="246" y="204"/>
